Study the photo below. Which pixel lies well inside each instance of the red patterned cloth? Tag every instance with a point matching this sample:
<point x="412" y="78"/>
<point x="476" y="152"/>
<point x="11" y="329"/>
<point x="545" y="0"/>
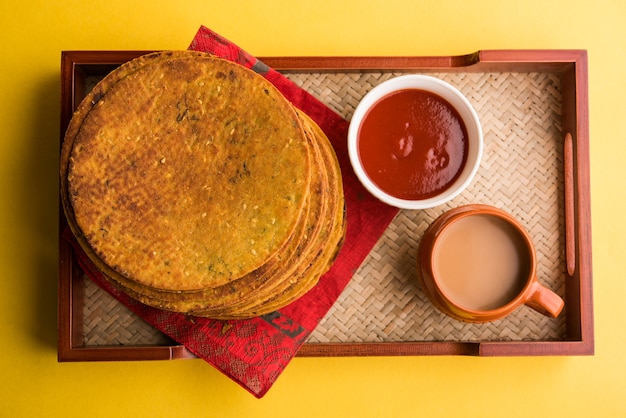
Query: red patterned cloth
<point x="254" y="352"/>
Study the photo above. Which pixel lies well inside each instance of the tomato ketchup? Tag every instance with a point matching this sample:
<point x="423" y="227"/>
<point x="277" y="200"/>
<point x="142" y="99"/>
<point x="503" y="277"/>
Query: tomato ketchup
<point x="413" y="144"/>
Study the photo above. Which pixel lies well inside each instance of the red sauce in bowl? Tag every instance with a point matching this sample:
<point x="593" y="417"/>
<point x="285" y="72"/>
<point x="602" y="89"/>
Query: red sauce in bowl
<point x="412" y="144"/>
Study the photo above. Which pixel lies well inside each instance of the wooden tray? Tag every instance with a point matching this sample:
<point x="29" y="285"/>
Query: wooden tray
<point x="534" y="109"/>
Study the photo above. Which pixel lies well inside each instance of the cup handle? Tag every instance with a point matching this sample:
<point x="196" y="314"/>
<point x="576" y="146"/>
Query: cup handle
<point x="544" y="300"/>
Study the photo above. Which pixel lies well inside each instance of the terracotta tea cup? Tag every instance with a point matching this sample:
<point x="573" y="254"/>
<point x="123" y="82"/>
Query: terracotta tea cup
<point x="477" y="263"/>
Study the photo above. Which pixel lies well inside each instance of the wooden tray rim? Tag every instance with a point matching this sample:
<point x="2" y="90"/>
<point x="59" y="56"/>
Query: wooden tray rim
<point x="572" y="64"/>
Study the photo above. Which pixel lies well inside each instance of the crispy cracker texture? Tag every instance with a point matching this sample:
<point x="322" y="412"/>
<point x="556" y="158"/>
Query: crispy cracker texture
<point x="196" y="187"/>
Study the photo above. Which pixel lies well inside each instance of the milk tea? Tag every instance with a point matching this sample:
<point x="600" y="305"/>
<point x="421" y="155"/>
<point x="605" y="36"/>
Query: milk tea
<point x="481" y="262"/>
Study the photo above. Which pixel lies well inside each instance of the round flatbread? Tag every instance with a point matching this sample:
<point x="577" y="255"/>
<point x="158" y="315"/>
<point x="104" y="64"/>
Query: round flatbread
<point x="196" y="187"/>
<point x="177" y="183"/>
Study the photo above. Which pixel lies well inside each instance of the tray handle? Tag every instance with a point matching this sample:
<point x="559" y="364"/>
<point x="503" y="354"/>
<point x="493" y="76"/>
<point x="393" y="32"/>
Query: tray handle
<point x="570" y="232"/>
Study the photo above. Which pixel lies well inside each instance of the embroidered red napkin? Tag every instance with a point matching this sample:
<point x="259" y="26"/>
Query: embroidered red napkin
<point x="254" y="352"/>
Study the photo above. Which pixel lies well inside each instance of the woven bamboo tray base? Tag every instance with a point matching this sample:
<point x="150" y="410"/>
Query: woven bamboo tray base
<point x="521" y="172"/>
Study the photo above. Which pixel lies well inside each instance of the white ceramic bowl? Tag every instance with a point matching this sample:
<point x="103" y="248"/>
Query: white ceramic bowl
<point x="452" y="96"/>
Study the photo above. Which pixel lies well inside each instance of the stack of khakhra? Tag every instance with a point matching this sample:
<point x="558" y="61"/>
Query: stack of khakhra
<point x="196" y="187"/>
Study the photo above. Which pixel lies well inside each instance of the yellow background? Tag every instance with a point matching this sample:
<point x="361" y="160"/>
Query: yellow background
<point x="33" y="384"/>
